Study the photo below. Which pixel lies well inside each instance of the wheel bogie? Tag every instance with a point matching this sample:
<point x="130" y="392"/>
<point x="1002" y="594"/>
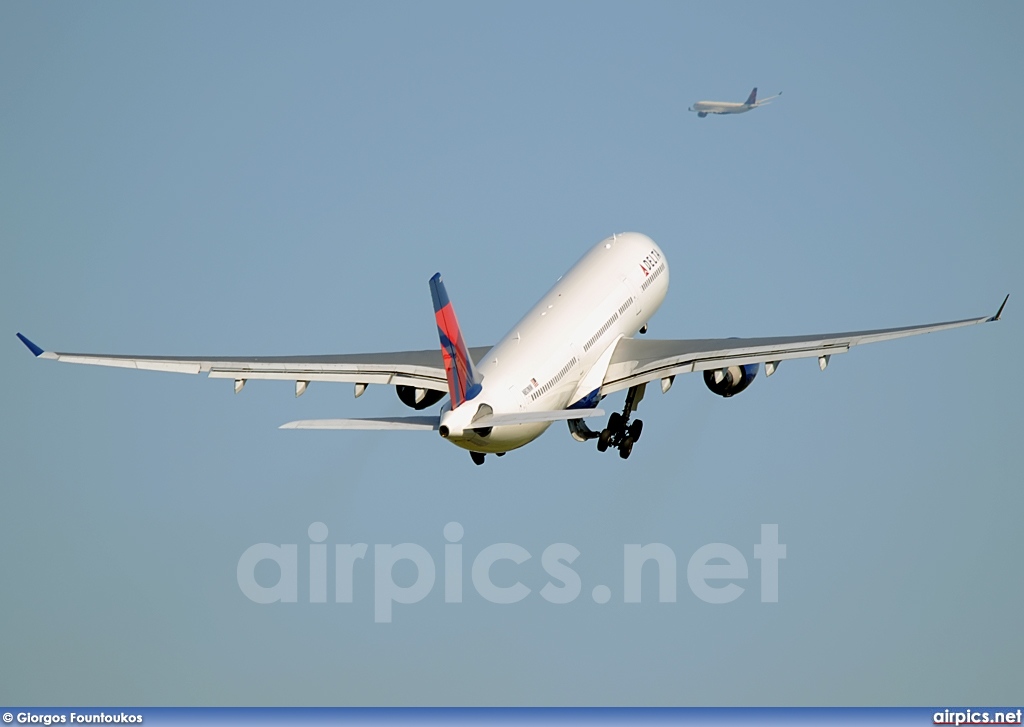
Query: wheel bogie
<point x="620" y="434"/>
<point x="635" y="429"/>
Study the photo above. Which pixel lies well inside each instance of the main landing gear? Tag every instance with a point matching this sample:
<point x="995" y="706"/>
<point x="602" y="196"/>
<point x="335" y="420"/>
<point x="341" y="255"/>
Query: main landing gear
<point x="620" y="433"/>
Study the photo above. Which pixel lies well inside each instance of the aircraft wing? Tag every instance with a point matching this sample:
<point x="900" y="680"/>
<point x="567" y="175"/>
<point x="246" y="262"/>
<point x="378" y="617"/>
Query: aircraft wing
<point x="766" y="100"/>
<point x="422" y="369"/>
<point x="637" y="361"/>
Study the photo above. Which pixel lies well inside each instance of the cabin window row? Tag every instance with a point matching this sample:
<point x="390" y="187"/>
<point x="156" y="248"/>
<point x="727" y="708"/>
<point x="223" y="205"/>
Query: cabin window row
<point x="554" y="380"/>
<point x="652" y="277"/>
<point x="600" y="332"/>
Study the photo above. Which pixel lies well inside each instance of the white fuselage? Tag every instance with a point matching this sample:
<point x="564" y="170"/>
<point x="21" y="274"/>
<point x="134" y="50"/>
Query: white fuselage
<point x="556" y="356"/>
<point x="721" y="107"/>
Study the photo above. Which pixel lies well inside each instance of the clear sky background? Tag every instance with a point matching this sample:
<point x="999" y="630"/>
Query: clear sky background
<point x="253" y="178"/>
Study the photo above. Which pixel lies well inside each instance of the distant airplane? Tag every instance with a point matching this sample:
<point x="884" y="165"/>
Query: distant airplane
<point x="703" y="108"/>
<point x="573" y="348"/>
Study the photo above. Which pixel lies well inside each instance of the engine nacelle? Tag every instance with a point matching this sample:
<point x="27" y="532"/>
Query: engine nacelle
<point x="418" y="398"/>
<point x="730" y="380"/>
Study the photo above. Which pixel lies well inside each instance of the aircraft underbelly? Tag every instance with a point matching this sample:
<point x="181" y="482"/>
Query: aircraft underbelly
<point x="502" y="439"/>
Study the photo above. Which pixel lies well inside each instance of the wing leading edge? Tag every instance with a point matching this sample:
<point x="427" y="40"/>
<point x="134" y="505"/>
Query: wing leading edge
<point x="637" y="361"/>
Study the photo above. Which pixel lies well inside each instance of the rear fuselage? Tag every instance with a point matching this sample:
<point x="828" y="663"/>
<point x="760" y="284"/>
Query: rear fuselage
<point x="555" y="357"/>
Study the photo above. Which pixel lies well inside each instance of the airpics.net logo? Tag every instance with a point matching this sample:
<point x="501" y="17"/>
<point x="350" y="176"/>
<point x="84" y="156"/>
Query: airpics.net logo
<point x="714" y="572"/>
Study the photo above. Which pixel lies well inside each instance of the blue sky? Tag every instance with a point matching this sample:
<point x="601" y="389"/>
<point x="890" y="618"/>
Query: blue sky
<point x="266" y="178"/>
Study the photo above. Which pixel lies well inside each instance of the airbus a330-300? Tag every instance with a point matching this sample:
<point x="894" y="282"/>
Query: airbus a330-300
<point x="576" y="346"/>
<point x="703" y="108"/>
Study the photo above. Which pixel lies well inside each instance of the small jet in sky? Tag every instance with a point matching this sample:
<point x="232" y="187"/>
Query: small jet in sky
<point x="703" y="108"/>
<point x="576" y="346"/>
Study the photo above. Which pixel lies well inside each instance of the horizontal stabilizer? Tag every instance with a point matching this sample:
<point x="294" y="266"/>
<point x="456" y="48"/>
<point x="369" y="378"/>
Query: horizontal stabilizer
<point x="534" y="417"/>
<point x="412" y="423"/>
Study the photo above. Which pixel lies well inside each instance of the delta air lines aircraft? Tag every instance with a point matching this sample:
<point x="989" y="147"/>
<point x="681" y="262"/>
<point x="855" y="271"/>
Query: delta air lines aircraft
<point x="576" y="346"/>
<point x="703" y="108"/>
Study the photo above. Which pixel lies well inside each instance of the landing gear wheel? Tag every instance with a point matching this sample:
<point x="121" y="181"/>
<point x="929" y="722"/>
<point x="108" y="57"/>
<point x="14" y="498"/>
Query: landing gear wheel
<point x="634" y="430"/>
<point x="500" y="454"/>
<point x="620" y="434"/>
<point x="478" y="457"/>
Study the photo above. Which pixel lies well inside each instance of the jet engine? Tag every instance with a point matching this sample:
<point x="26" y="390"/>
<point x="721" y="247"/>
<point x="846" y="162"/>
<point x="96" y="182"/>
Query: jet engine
<point x="418" y="398"/>
<point x="730" y="380"/>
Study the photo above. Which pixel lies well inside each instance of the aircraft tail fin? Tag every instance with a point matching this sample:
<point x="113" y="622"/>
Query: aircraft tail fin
<point x="752" y="98"/>
<point x="463" y="380"/>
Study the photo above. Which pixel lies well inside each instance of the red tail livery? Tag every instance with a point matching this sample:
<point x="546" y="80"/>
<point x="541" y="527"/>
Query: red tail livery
<point x="463" y="382"/>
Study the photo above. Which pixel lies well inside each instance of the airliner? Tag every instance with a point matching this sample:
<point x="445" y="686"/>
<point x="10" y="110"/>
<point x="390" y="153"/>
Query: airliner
<point x="576" y="346"/>
<point x="703" y="108"/>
